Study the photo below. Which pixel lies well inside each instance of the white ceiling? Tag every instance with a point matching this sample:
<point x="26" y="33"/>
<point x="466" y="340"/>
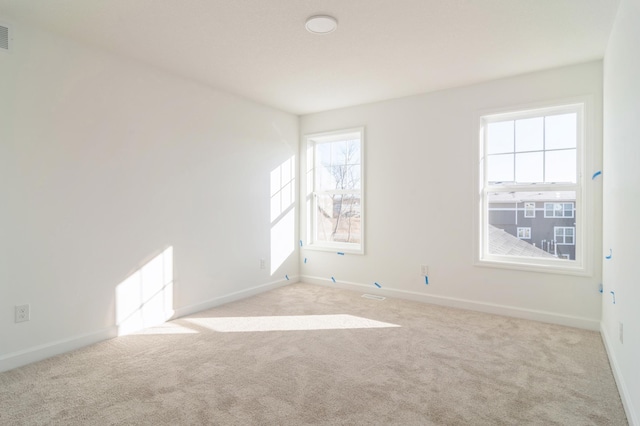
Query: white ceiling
<point x="382" y="49"/>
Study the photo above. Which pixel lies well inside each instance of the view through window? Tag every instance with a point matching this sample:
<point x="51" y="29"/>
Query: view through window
<point x="531" y="186"/>
<point x="335" y="181"/>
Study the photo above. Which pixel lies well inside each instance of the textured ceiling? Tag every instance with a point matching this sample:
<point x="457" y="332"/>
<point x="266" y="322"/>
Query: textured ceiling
<point x="382" y="49"/>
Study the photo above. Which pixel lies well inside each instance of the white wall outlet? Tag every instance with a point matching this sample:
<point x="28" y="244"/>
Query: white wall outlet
<point x="263" y="264"/>
<point x="620" y="329"/>
<point x="424" y="270"/>
<point x="22" y="313"/>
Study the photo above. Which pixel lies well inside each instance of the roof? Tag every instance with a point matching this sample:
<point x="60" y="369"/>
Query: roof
<point x="503" y="243"/>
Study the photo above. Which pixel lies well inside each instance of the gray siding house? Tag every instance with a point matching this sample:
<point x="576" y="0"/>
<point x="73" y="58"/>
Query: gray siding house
<point x="548" y="224"/>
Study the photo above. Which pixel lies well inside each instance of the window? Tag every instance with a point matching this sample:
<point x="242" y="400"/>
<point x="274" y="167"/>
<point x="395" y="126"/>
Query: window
<point x="335" y="190"/>
<point x="524" y="233"/>
<point x="558" y="209"/>
<point x="564" y="235"/>
<point x="532" y="158"/>
<point x="529" y="209"/>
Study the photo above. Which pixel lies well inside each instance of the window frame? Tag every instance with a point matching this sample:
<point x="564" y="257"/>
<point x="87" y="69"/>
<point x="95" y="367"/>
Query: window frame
<point x="564" y="236"/>
<point x="585" y="139"/>
<point x="311" y="192"/>
<point x="527" y="210"/>
<point x="526" y="230"/>
<point x="564" y="205"/>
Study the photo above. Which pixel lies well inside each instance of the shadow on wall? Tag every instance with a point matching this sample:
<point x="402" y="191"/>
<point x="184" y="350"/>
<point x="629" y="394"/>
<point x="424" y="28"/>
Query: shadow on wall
<point x="283" y="198"/>
<point x="145" y="298"/>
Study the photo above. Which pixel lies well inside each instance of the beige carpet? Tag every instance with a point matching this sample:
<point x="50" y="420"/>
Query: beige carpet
<point x="328" y="357"/>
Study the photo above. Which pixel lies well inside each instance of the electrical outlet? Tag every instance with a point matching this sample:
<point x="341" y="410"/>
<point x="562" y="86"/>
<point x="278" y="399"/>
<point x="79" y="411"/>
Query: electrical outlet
<point x="424" y="270"/>
<point x="621" y="332"/>
<point x="263" y="264"/>
<point x="22" y="313"/>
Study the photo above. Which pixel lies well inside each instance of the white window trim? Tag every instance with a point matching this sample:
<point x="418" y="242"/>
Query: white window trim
<point x="308" y="189"/>
<point x="587" y="138"/>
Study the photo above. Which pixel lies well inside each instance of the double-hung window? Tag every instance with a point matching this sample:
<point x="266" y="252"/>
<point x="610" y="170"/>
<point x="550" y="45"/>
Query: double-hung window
<point x="533" y="157"/>
<point x="530" y="210"/>
<point x="335" y="190"/>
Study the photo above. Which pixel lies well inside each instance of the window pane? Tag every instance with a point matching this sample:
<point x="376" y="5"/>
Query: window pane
<point x="529" y="134"/>
<point x="546" y="236"/>
<point x="345" y="177"/>
<point x="500" y="168"/>
<point x="353" y="150"/>
<point x="338" y="152"/>
<point x="338" y="218"/>
<point x="560" y="131"/>
<point x="324" y="178"/>
<point x="353" y="177"/>
<point x="558" y="210"/>
<point x="500" y="137"/>
<point x="323" y="154"/>
<point x="529" y="167"/>
<point x="560" y="166"/>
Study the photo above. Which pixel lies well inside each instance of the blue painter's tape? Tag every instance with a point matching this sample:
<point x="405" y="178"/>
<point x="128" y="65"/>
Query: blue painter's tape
<point x="613" y="294"/>
<point x="341" y="253"/>
<point x="300" y="243"/>
<point x="333" y="279"/>
<point x="377" y="285"/>
<point x="426" y="280"/>
<point x="287" y="277"/>
<point x="610" y="254"/>
<point x="305" y="260"/>
<point x="596" y="174"/>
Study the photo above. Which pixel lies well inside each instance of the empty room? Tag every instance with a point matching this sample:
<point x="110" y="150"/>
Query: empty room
<point x="287" y="212"/>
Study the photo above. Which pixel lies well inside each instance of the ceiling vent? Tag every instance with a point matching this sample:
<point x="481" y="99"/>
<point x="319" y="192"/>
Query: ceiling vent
<point x="4" y="38"/>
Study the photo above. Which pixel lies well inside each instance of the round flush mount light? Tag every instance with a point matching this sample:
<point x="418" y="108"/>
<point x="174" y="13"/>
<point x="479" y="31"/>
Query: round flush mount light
<point x="321" y="24"/>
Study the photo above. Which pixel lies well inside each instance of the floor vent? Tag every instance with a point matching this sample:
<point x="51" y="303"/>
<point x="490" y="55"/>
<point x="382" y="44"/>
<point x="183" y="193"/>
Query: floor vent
<point x="4" y="38"/>
<point x="373" y="296"/>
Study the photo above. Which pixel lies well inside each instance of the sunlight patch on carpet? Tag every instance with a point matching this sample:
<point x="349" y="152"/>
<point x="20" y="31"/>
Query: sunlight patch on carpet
<point x="166" y="328"/>
<point x="288" y="323"/>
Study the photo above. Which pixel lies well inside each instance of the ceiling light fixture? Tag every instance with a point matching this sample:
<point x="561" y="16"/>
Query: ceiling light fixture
<point x="321" y="24"/>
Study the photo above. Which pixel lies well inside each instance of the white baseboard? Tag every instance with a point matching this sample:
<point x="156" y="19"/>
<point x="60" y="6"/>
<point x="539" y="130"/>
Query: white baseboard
<point x="47" y="350"/>
<point x="510" y="311"/>
<point x="242" y="294"/>
<point x="629" y="409"/>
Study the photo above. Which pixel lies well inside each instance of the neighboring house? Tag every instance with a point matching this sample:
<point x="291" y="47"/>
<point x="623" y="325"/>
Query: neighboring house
<point x="543" y="221"/>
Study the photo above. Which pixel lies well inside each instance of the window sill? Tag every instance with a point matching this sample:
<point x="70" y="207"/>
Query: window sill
<point x="514" y="264"/>
<point x="336" y="248"/>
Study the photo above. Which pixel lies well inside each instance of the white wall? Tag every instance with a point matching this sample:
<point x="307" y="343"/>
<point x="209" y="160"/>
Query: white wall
<point x="621" y="179"/>
<point x="104" y="163"/>
<point x="420" y="153"/>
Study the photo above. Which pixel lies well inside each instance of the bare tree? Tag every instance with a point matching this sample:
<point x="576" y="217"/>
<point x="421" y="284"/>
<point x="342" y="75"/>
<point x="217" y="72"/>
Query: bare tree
<point x="345" y="179"/>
